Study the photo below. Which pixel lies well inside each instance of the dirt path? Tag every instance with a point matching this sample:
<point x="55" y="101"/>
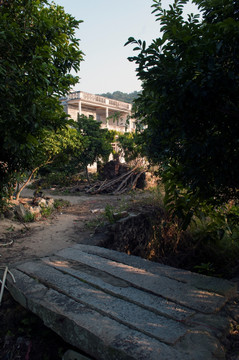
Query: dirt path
<point x="57" y="232"/>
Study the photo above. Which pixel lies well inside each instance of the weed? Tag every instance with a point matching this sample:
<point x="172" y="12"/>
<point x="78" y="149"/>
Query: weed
<point x="60" y="203"/>
<point x="46" y="211"/>
<point x="205" y="268"/>
<point x="11" y="228"/>
<point x="29" y="217"/>
<point x="93" y="224"/>
<point x="109" y="213"/>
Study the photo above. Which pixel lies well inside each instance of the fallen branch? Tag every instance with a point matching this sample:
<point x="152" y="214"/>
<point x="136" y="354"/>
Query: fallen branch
<point x="100" y="184"/>
<point x="136" y="179"/>
<point x="122" y="183"/>
<point x="107" y="185"/>
<point x="7" y="244"/>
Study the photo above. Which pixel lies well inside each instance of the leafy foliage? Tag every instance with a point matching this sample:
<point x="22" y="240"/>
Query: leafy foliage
<point x="38" y="50"/>
<point x="97" y="141"/>
<point x="129" y="144"/>
<point x="52" y="147"/>
<point x="190" y="96"/>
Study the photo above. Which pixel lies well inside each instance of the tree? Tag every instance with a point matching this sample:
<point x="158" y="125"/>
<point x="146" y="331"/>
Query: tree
<point x="190" y="97"/>
<point x="52" y="146"/>
<point x="120" y="96"/>
<point x="96" y="141"/>
<point x="38" y="50"/>
<point x="130" y="146"/>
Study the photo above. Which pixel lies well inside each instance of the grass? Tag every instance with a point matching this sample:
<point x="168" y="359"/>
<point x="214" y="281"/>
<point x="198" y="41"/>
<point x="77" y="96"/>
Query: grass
<point x="93" y="224"/>
<point x="29" y="217"/>
<point x="60" y="203"/>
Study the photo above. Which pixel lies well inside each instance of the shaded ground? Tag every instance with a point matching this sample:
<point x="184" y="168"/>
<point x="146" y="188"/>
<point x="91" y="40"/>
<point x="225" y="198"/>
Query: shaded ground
<point x="74" y="224"/>
<point x="22" y="335"/>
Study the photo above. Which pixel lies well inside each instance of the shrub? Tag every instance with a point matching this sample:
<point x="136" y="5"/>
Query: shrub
<point x="29" y="217"/>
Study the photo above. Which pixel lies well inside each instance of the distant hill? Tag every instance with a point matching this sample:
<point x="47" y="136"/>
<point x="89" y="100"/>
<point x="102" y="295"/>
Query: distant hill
<point x="120" y="96"/>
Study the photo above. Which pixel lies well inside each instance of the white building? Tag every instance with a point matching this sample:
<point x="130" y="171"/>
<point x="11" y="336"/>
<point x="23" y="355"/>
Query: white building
<point x="114" y="114"/>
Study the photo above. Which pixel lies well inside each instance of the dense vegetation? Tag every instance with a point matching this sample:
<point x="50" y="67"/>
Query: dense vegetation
<point x="190" y="102"/>
<point x="38" y="50"/>
<point x="120" y="96"/>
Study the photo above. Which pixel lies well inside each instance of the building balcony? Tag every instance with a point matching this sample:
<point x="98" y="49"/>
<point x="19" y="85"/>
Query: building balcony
<point x="98" y="100"/>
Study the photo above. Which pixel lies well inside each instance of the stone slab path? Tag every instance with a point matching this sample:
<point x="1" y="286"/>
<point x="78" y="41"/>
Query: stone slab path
<point x="114" y="306"/>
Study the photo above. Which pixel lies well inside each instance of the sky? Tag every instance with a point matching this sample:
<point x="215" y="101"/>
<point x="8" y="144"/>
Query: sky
<point x="107" y="25"/>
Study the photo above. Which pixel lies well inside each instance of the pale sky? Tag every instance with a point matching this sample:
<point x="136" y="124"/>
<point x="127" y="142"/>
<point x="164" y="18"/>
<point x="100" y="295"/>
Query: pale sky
<point x="107" y="26"/>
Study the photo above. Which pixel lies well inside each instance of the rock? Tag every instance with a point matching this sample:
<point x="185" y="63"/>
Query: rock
<point x="42" y="202"/>
<point x="35" y="210"/>
<point x="9" y="214"/>
<point x="94" y="211"/>
<point x="50" y="202"/>
<point x="73" y="355"/>
<point x="20" y="211"/>
<point x="120" y="215"/>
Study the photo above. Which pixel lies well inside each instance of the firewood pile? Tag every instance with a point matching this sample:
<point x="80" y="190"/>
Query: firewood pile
<point x="120" y="184"/>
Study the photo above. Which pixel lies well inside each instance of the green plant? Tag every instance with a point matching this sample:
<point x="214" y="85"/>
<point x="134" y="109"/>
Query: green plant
<point x="29" y="217"/>
<point x="46" y="211"/>
<point x="11" y="228"/>
<point x="60" y="203"/>
<point x="205" y="268"/>
<point x="109" y="213"/>
<point x="97" y="142"/>
<point x="189" y="101"/>
<point x="216" y="231"/>
<point x="39" y="49"/>
<point x="93" y="224"/>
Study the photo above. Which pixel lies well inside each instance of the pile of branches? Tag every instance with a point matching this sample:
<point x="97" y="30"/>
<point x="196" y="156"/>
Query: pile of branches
<point x="119" y="185"/>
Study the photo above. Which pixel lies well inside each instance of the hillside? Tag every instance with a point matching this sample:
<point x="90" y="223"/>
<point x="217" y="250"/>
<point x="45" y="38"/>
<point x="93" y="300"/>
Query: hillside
<point x="120" y="96"/>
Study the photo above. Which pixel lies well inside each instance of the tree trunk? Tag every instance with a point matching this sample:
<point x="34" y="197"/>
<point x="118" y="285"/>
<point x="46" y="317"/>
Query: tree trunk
<point x="25" y="184"/>
<point x="30" y="177"/>
<point x="87" y="175"/>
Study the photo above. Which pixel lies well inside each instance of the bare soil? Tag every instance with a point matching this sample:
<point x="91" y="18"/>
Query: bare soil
<point x="73" y="224"/>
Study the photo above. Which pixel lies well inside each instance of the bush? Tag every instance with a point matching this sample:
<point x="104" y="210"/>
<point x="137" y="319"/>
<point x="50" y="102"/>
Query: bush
<point x="60" y="203"/>
<point x="29" y="217"/>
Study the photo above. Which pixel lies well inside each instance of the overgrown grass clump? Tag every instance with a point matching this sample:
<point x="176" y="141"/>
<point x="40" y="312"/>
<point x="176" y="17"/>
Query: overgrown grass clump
<point x="208" y="245"/>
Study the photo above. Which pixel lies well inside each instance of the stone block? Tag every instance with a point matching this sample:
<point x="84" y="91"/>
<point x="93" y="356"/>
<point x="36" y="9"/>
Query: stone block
<point x="20" y="211"/>
<point x="73" y="355"/>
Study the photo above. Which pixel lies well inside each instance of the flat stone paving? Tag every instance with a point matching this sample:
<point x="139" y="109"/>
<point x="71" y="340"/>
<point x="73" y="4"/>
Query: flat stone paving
<point x="115" y="306"/>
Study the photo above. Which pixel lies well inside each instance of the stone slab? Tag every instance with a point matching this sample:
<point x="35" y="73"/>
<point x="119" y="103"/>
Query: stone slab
<point x="125" y="312"/>
<point x="124" y="308"/>
<point x="174" y="290"/>
<point x="120" y="288"/>
<point x="73" y="355"/>
<point x="220" y="286"/>
<point x="99" y="336"/>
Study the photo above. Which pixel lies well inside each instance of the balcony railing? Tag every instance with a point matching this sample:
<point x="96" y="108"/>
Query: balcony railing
<point x="97" y="99"/>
